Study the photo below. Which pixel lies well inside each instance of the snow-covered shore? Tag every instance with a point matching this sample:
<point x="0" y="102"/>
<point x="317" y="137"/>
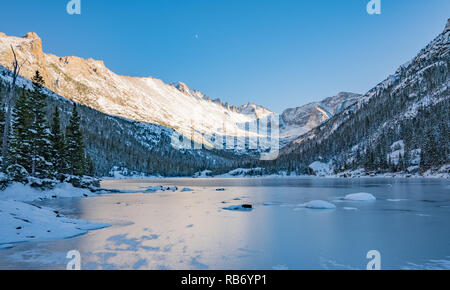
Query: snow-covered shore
<point x="319" y="170"/>
<point x="22" y="221"/>
<point x="438" y="175"/>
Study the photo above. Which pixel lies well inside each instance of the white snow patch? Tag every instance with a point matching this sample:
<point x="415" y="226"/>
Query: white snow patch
<point x="243" y="172"/>
<point x="203" y="174"/>
<point x="320" y="168"/>
<point x="395" y="199"/>
<point x="21" y="192"/>
<point x="318" y="204"/>
<point x="350" y="208"/>
<point x="22" y="222"/>
<point x="361" y="196"/>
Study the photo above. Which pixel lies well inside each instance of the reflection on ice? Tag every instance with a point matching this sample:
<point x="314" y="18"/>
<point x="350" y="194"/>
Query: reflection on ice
<point x="174" y="230"/>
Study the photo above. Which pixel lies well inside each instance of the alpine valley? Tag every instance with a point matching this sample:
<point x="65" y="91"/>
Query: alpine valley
<point x="401" y="125"/>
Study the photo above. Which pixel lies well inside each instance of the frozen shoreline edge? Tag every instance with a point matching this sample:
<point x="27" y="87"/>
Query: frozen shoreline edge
<point x="22" y="221"/>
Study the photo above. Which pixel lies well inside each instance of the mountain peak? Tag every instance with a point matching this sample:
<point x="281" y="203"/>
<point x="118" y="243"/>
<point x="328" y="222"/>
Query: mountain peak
<point x="447" y="27"/>
<point x="31" y="35"/>
<point x="182" y="87"/>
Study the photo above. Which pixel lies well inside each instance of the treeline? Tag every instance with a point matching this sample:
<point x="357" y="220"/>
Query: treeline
<point x="37" y="146"/>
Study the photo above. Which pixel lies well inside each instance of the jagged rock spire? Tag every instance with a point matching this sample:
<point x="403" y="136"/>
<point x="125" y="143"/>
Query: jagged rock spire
<point x="447" y="27"/>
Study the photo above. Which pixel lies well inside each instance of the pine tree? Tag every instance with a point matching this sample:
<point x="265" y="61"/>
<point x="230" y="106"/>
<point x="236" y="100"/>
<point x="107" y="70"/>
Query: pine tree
<point x="2" y="120"/>
<point x="40" y="145"/>
<point x="57" y="144"/>
<point x="75" y="146"/>
<point x="89" y="166"/>
<point x="19" y="147"/>
<point x="429" y="153"/>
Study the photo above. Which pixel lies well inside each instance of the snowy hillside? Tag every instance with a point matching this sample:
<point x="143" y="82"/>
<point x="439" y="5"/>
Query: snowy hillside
<point x="115" y="141"/>
<point x="144" y="99"/>
<point x="411" y="105"/>
<point x="300" y="120"/>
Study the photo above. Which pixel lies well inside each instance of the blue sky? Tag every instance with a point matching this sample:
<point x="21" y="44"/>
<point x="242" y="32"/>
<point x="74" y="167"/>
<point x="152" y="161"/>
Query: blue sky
<point x="277" y="53"/>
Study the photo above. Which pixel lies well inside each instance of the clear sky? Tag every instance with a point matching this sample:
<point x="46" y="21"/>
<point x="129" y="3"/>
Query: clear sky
<point x="277" y="53"/>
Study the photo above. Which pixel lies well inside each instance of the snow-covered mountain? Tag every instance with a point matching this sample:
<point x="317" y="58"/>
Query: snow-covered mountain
<point x="300" y="120"/>
<point x="144" y="99"/>
<point x="119" y="142"/>
<point x="135" y="117"/>
<point x="410" y="107"/>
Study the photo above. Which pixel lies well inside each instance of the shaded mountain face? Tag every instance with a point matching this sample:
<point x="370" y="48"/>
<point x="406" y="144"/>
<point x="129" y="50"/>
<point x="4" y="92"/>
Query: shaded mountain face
<point x="411" y="106"/>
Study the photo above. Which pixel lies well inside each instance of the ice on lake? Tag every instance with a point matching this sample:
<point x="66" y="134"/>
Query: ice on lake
<point x="175" y="230"/>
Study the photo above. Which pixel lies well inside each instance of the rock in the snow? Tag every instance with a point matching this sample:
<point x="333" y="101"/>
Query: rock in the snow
<point x="243" y="207"/>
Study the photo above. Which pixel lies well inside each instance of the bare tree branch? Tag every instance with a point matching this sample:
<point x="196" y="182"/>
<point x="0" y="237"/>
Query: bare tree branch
<point x="16" y="67"/>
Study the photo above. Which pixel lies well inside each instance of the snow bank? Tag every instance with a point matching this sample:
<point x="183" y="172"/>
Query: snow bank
<point x="203" y="174"/>
<point x="321" y="169"/>
<point x="161" y="188"/>
<point x="243" y="172"/>
<point x="118" y="172"/>
<point x="361" y="196"/>
<point x="319" y="204"/>
<point x="22" y="222"/>
<point x="21" y="192"/>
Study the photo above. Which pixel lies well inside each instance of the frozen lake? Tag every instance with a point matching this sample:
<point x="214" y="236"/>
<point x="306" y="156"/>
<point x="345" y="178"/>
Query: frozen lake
<point x="409" y="224"/>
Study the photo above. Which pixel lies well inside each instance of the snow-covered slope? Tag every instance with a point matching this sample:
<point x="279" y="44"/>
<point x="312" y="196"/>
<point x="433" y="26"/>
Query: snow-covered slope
<point x="146" y="99"/>
<point x="300" y="120"/>
<point x="116" y="141"/>
<point x="411" y="105"/>
<point x="143" y="99"/>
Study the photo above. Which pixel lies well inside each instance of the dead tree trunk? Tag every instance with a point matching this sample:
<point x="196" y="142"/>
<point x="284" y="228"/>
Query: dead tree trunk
<point x="9" y="105"/>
